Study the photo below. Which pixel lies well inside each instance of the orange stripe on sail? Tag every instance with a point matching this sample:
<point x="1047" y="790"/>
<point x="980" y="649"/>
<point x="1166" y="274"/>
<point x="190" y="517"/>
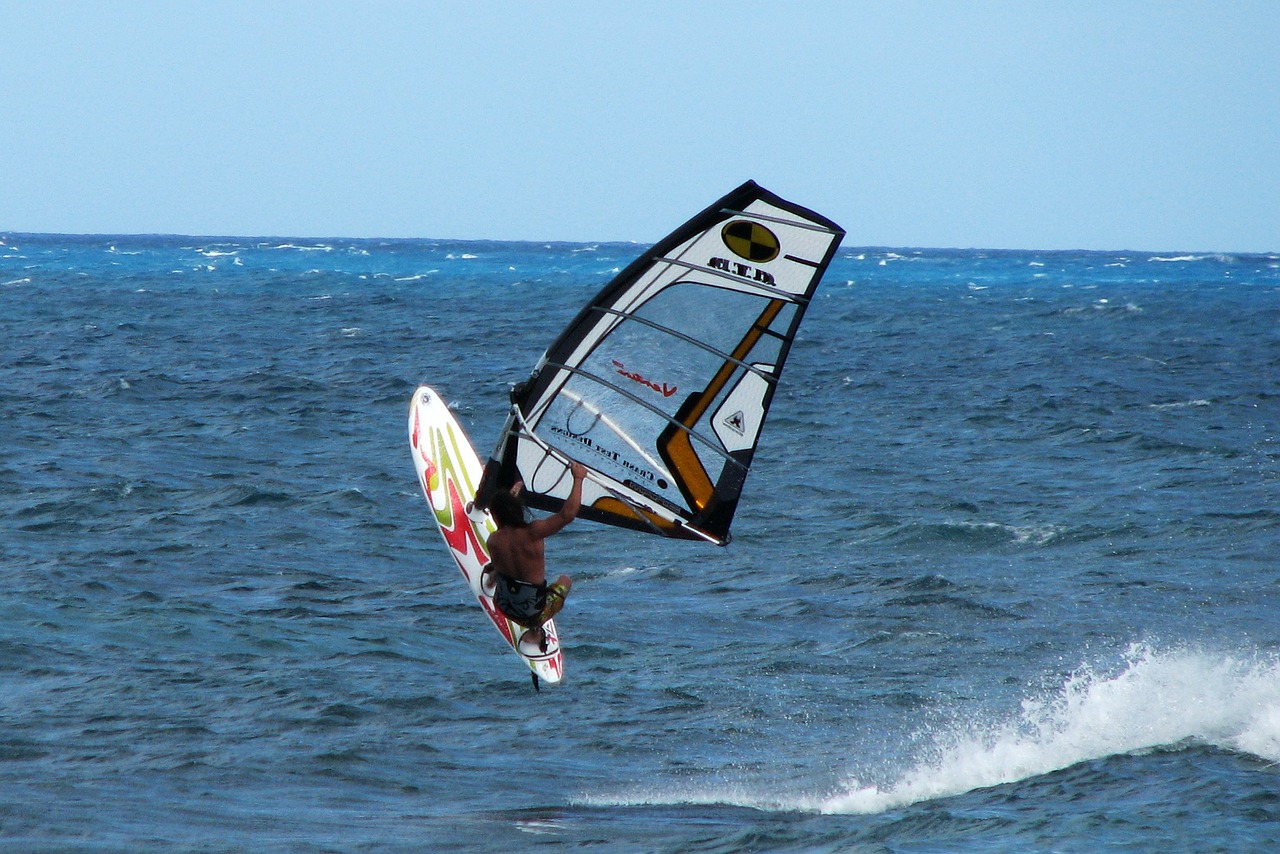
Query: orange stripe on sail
<point x="677" y="448"/>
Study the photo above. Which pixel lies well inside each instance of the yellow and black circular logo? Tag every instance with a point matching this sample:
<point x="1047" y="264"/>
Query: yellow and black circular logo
<point x="750" y="240"/>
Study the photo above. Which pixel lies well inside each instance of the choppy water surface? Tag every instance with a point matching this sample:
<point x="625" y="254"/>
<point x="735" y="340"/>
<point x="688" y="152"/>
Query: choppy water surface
<point x="1004" y="577"/>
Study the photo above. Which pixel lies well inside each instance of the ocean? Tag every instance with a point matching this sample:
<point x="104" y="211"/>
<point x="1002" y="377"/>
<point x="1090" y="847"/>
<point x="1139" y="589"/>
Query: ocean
<point x="1005" y="577"/>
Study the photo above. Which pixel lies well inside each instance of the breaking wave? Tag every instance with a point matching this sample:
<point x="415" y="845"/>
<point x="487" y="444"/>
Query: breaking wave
<point x="1155" y="700"/>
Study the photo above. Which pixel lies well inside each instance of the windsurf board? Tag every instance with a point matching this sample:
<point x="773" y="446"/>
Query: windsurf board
<point x="449" y="472"/>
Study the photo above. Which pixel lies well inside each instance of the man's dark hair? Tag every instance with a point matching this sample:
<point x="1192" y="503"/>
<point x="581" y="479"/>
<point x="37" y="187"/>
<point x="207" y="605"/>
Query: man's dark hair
<point x="508" y="510"/>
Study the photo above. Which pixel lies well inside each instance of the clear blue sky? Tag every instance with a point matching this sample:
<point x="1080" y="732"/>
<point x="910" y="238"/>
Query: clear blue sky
<point x="1097" y="125"/>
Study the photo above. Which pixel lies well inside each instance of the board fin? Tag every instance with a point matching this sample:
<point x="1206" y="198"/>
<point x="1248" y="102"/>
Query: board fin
<point x="537" y="689"/>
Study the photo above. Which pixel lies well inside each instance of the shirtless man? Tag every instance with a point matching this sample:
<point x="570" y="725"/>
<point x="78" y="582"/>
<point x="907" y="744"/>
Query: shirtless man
<point x="519" y="563"/>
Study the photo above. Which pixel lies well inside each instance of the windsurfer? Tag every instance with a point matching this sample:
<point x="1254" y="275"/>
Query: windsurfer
<point x="518" y="561"/>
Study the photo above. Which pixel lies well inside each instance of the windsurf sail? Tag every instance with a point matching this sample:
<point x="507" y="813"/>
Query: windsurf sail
<point x="661" y="384"/>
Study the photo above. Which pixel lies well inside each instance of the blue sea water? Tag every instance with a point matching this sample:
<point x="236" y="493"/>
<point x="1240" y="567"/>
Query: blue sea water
<point x="1005" y="576"/>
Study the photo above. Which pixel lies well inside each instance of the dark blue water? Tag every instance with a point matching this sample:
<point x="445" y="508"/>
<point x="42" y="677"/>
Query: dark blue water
<point x="1005" y="575"/>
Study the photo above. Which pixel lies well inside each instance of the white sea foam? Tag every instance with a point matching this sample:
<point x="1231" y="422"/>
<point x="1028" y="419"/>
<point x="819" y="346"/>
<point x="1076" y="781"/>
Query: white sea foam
<point x="1155" y="700"/>
<point x="623" y="570"/>
<point x="319" y="247"/>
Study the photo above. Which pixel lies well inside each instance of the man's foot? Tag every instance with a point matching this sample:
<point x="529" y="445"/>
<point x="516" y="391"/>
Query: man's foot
<point x="536" y="637"/>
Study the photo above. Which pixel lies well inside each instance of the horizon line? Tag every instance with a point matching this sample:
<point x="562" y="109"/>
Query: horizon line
<point x="1272" y="253"/>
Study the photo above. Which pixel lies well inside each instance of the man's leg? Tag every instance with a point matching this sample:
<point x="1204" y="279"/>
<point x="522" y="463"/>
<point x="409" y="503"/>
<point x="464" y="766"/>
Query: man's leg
<point x="556" y="594"/>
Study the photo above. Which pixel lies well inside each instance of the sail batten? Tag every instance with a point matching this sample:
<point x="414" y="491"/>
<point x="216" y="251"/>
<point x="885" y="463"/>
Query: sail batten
<point x="793" y="222"/>
<point x="695" y="342"/>
<point x="710" y="443"/>
<point x="661" y="384"/>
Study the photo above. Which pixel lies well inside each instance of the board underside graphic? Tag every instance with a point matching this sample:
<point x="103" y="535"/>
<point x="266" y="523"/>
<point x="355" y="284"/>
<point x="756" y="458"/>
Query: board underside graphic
<point x="449" y="472"/>
<point x="662" y="383"/>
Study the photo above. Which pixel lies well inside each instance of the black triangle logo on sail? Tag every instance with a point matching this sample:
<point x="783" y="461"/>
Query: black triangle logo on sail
<point x="737" y="422"/>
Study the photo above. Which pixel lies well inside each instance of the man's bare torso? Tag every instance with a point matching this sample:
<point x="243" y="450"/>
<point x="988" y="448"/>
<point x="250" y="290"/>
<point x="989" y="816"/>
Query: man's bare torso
<point x="516" y="553"/>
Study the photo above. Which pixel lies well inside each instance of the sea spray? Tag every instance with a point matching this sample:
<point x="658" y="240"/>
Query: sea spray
<point x="1154" y="699"/>
<point x="1149" y="700"/>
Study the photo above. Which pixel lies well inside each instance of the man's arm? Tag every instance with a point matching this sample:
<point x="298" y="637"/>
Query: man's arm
<point x="542" y="528"/>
